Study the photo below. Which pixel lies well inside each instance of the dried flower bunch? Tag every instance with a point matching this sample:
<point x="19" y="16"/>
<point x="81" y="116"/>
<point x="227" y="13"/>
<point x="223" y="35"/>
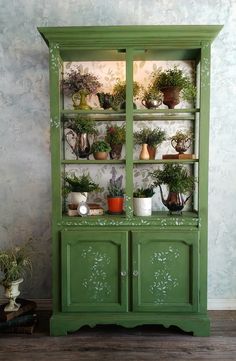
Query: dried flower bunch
<point x="77" y="81"/>
<point x="14" y="262"/>
<point x="115" y="185"/>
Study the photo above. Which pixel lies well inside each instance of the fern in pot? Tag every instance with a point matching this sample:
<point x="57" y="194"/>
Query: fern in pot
<point x="78" y="187"/>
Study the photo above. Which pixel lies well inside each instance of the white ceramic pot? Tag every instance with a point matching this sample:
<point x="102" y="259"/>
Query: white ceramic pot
<point x="143" y="206"/>
<point x="12" y="292"/>
<point x="77" y="197"/>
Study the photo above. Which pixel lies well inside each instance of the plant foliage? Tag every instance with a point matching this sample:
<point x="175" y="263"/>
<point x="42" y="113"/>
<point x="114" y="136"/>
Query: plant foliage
<point x="100" y="146"/>
<point x="115" y="188"/>
<point x="150" y="137"/>
<point x="81" y="184"/>
<point x="77" y="81"/>
<point x="14" y="262"/>
<point x="144" y="192"/>
<point x="175" y="176"/>
<point x="81" y="125"/>
<point x="115" y="134"/>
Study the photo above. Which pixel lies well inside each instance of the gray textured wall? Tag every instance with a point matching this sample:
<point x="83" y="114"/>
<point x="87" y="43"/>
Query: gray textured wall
<point x="25" y="196"/>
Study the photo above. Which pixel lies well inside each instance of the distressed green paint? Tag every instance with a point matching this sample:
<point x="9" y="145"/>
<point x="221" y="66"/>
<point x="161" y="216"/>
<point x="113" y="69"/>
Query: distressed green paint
<point x="94" y="271"/>
<point x="170" y="282"/>
<point x="203" y="165"/>
<point x="146" y="270"/>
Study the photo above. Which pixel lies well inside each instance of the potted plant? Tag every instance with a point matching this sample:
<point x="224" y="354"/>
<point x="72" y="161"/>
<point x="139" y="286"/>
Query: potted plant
<point x="178" y="181"/>
<point x="142" y="199"/>
<point x="149" y="139"/>
<point x="115" y="136"/>
<point x="14" y="263"/>
<point x="119" y="94"/>
<point x="152" y="97"/>
<point x="171" y="82"/>
<point x="78" y="135"/>
<point x="181" y="141"/>
<point x="100" y="150"/>
<point x="79" y="85"/>
<point x="79" y="187"/>
<point x="115" y="197"/>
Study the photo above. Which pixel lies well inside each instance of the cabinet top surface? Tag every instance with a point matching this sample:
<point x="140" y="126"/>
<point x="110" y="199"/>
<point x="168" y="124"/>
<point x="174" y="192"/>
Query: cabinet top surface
<point x="131" y="35"/>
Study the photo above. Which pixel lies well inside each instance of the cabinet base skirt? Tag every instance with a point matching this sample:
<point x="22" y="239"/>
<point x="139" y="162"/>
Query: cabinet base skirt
<point x="62" y="323"/>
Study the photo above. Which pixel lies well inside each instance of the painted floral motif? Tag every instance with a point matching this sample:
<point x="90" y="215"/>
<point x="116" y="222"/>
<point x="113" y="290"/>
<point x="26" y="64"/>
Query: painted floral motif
<point x="164" y="280"/>
<point x="97" y="280"/>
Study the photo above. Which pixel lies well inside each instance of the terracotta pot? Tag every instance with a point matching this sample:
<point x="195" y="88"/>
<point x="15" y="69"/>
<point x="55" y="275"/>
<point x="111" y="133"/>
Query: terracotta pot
<point x="115" y="205"/>
<point x="152" y="152"/>
<point x="100" y="155"/>
<point x="171" y="96"/>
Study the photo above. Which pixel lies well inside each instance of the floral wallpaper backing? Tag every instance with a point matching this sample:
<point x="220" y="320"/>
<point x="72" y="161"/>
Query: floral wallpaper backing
<point x="25" y="193"/>
<point x="108" y="72"/>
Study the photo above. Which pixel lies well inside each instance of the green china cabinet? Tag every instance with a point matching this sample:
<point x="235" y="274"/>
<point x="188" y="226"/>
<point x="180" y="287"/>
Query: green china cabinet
<point x="125" y="269"/>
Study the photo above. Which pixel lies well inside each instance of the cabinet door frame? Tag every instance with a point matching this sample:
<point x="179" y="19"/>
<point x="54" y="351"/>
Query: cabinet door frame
<point x="191" y="239"/>
<point x="118" y="238"/>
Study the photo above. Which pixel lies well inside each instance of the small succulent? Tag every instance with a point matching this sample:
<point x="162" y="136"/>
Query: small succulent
<point x="144" y="192"/>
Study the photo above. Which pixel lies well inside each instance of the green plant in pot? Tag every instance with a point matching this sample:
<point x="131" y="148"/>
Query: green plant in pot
<point x="115" y="197"/>
<point x="14" y="263"/>
<point x="152" y="97"/>
<point x="171" y="82"/>
<point x="79" y="187"/>
<point x="77" y="135"/>
<point x="119" y="94"/>
<point x="115" y="136"/>
<point x="142" y="199"/>
<point x="79" y="84"/>
<point x="178" y="182"/>
<point x="149" y="139"/>
<point x="100" y="150"/>
<point x="181" y="141"/>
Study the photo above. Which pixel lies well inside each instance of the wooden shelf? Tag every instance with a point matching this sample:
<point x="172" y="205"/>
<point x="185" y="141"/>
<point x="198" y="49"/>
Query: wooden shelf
<point x="164" y="161"/>
<point x="92" y="161"/>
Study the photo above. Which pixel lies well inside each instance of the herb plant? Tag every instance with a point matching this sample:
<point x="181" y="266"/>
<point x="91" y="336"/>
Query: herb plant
<point x="175" y="176"/>
<point x="150" y="137"/>
<point x="115" y="134"/>
<point x="144" y="192"/>
<point x="119" y="91"/>
<point x="81" y="184"/>
<point x="100" y="146"/>
<point x="14" y="262"/>
<point x="115" y="185"/>
<point x="82" y="125"/>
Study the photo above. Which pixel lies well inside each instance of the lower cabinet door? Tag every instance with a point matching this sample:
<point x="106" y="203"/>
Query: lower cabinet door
<point x="165" y="271"/>
<point x="94" y="271"/>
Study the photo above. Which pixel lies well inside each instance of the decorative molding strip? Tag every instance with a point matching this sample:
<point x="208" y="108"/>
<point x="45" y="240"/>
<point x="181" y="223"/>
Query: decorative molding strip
<point x="213" y="303"/>
<point x="221" y="304"/>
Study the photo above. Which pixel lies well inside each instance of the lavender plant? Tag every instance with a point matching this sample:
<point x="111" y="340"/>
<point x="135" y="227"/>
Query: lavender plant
<point x="115" y="185"/>
<point x="77" y="81"/>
